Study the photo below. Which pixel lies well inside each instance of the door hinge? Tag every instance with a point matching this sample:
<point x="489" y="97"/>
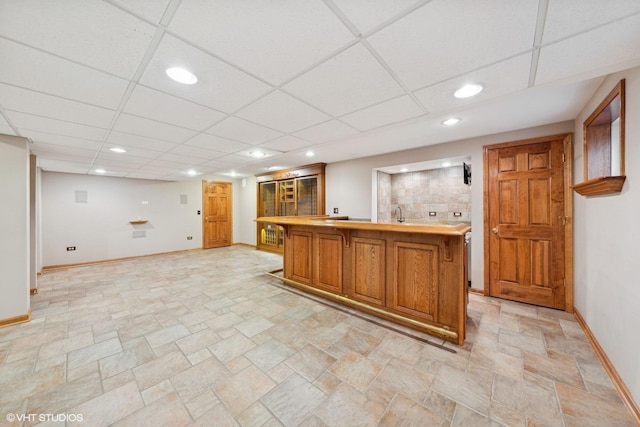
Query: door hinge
<point x="564" y="283"/>
<point x="562" y="157"/>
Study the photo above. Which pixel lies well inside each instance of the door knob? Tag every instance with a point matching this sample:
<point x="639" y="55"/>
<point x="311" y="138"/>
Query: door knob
<point x="494" y="230"/>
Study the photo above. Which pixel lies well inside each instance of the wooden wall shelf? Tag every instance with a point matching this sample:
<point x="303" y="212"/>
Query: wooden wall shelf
<point x="600" y="186"/>
<point x="138" y="221"/>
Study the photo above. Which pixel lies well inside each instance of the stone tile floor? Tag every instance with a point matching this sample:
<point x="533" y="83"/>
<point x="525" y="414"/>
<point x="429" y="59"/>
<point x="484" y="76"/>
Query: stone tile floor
<point x="206" y="338"/>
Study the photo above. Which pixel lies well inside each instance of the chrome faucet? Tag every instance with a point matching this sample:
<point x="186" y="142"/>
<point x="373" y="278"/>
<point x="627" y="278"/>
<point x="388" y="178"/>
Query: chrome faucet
<point x="399" y="218"/>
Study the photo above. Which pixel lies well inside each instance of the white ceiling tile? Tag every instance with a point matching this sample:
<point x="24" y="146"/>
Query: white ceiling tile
<point x="350" y="81"/>
<point x="149" y="9"/>
<point x="167" y="165"/>
<point x="368" y="14"/>
<point x="388" y="112"/>
<point x="327" y="131"/>
<point x="150" y="103"/>
<point x="6" y="130"/>
<point x="272" y="40"/>
<point x="177" y="158"/>
<point x="131" y="140"/>
<point x="233" y="159"/>
<point x="152" y="129"/>
<point x="282" y="112"/>
<point x="219" y="85"/>
<point x="35" y="70"/>
<point x="52" y="165"/>
<point x="132" y="152"/>
<point x="62" y="140"/>
<point x="212" y="142"/>
<point x="243" y="131"/>
<point x="112" y="40"/>
<point x="500" y="79"/>
<point x="201" y="153"/>
<point x="26" y="122"/>
<point x="445" y="38"/>
<point x="613" y="45"/>
<point x="114" y="159"/>
<point x="286" y="143"/>
<point x="53" y="151"/>
<point x="568" y="17"/>
<point x="27" y="101"/>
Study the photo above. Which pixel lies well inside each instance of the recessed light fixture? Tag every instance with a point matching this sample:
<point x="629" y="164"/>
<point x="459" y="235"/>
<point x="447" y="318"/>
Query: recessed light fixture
<point x="232" y="173"/>
<point x="257" y="154"/>
<point x="100" y="171"/>
<point x="118" y="150"/>
<point x="404" y="170"/>
<point x="181" y="75"/>
<point x="469" y="90"/>
<point x="310" y="153"/>
<point x="191" y="172"/>
<point x="447" y="164"/>
<point x="452" y="121"/>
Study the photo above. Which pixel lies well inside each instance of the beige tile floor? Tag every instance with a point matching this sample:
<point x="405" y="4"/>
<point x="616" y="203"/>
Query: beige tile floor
<point x="206" y="338"/>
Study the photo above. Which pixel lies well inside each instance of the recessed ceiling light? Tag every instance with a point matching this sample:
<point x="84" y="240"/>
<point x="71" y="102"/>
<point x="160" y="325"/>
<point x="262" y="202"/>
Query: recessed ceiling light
<point x="181" y="75"/>
<point x="100" y="171"/>
<point x="232" y="174"/>
<point x="404" y="170"/>
<point x="469" y="90"/>
<point x="447" y="164"/>
<point x="310" y="153"/>
<point x="191" y="172"/>
<point x="118" y="150"/>
<point x="452" y="121"/>
<point x="257" y="154"/>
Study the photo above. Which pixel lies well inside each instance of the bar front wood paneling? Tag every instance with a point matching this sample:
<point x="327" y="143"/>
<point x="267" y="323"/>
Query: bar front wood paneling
<point x="411" y="274"/>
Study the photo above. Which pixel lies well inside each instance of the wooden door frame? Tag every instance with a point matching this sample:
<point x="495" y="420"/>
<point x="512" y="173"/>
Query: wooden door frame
<point x="204" y="213"/>
<point x="568" y="209"/>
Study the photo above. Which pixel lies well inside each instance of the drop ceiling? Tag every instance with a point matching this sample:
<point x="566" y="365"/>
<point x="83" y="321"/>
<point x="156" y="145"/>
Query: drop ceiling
<point x="341" y="78"/>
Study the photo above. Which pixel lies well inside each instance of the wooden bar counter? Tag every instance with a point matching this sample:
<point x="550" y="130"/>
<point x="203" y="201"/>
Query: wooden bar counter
<point x="411" y="274"/>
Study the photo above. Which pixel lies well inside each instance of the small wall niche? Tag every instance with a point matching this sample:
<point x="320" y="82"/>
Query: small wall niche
<point x="603" y="146"/>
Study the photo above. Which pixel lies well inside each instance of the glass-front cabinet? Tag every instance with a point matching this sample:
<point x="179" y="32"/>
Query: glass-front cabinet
<point x="288" y="192"/>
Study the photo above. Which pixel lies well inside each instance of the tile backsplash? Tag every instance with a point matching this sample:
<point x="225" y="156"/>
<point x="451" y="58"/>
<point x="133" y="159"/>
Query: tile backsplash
<point x="442" y="191"/>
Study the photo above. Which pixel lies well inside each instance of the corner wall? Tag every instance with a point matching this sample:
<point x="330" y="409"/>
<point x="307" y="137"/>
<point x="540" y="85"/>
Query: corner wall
<point x="607" y="244"/>
<point x="99" y="228"/>
<point x="14" y="227"/>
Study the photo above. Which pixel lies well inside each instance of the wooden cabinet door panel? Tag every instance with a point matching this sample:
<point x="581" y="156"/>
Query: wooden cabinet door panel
<point x="329" y="262"/>
<point x="368" y="265"/>
<point x="526" y="222"/>
<point x="415" y="280"/>
<point x="301" y="242"/>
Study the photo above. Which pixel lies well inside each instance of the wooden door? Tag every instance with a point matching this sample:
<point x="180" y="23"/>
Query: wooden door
<point x="527" y="208"/>
<point x="217" y="219"/>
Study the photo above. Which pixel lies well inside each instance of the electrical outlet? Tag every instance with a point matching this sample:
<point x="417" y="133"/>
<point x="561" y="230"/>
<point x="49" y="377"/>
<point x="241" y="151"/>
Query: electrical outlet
<point x="71" y="248"/>
<point x="432" y="213"/>
<point x="189" y="237"/>
<point x="457" y="214"/>
<point x="335" y="210"/>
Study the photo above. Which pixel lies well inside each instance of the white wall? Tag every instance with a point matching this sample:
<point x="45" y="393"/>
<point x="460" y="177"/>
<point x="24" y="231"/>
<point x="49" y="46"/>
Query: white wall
<point x="607" y="245"/>
<point x="100" y="229"/>
<point x="355" y="201"/>
<point x="247" y="208"/>
<point x="14" y="227"/>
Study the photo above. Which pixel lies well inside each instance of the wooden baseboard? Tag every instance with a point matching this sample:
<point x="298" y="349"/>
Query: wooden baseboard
<point x="15" y="320"/>
<point x="245" y="244"/>
<point x="105" y="261"/>
<point x="476" y="291"/>
<point x="617" y="381"/>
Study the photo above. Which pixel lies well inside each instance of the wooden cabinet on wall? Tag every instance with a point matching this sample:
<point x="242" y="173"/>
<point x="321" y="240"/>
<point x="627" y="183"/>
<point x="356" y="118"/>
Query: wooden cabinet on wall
<point x="288" y="192"/>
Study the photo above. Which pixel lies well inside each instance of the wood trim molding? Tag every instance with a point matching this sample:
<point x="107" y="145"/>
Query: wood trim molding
<point x="617" y="381"/>
<point x="16" y="320"/>
<point x="104" y="261"/>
